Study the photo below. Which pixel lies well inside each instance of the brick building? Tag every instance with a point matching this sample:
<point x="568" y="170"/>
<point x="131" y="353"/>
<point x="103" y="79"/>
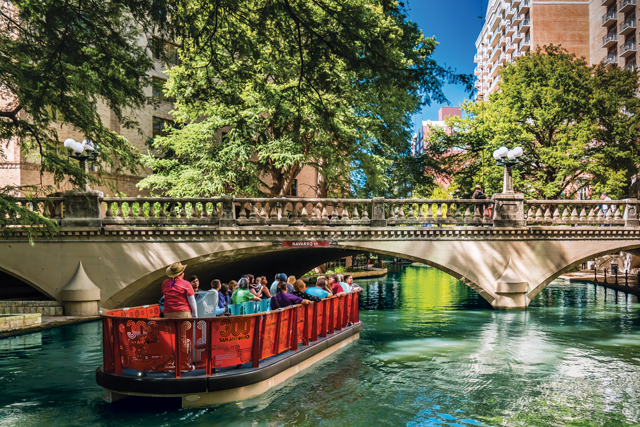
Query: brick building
<point x="513" y="27"/>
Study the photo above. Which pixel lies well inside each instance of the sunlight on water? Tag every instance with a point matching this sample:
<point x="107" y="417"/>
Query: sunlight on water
<point x="432" y="353"/>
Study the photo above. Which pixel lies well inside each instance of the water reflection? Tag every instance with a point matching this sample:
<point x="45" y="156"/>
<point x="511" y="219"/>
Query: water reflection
<point x="433" y="352"/>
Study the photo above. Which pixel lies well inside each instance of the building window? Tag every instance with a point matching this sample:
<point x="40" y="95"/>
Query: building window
<point x="294" y="189"/>
<point x="165" y="51"/>
<point x="161" y="126"/>
<point x="157" y="90"/>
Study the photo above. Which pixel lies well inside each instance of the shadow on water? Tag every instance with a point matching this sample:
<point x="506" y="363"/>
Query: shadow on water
<point x="432" y="353"/>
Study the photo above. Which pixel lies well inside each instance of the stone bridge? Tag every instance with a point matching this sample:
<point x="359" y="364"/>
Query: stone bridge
<point x="113" y="252"/>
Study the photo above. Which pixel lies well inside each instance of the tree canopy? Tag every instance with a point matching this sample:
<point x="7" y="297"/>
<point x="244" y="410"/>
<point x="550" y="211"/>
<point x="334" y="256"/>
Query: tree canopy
<point x="266" y="87"/>
<point x="578" y="125"/>
<point x="57" y="59"/>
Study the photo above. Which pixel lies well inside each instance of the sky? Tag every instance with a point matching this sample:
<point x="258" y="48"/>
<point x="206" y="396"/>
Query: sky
<point x="456" y="26"/>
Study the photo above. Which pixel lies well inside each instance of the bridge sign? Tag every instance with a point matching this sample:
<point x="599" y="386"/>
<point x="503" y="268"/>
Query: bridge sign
<point x="305" y="243"/>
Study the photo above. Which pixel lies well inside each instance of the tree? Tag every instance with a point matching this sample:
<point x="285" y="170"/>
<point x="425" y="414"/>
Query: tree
<point x="578" y="125"/>
<point x="57" y="59"/>
<point x="268" y="87"/>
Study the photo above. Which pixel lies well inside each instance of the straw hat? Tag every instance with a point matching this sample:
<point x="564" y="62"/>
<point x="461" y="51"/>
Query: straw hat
<point x="175" y="269"/>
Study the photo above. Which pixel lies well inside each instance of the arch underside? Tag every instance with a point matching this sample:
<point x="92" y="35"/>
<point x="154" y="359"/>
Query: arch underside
<point x="13" y="286"/>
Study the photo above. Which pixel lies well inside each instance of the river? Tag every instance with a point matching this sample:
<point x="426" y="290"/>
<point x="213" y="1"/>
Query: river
<point x="432" y="352"/>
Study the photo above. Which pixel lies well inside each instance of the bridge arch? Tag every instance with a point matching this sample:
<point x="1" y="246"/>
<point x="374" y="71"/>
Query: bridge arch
<point x="15" y="286"/>
<point x="579" y="260"/>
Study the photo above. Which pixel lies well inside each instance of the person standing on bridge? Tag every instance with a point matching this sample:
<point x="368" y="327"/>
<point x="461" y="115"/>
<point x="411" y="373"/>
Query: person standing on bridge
<point x="479" y="195"/>
<point x="179" y="299"/>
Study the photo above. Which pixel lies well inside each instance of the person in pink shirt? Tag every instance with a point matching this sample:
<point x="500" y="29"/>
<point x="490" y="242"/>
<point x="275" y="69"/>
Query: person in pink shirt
<point x="179" y="299"/>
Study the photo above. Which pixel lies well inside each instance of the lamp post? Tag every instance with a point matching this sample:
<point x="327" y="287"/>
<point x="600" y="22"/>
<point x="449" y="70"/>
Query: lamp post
<point x="79" y="148"/>
<point x="507" y="158"/>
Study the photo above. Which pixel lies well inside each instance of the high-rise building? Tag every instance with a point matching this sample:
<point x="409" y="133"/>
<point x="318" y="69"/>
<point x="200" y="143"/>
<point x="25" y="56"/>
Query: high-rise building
<point x="513" y="27"/>
<point x="613" y="27"/>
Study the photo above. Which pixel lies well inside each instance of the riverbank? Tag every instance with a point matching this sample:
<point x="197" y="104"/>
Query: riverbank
<point x="369" y="274"/>
<point x="48" y="322"/>
<point x="628" y="285"/>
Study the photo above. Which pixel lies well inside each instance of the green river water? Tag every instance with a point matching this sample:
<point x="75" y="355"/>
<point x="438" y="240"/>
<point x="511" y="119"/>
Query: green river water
<point x="432" y="353"/>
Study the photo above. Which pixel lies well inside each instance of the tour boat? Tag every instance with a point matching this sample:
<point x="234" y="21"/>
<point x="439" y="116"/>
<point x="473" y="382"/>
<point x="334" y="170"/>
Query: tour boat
<point x="218" y="359"/>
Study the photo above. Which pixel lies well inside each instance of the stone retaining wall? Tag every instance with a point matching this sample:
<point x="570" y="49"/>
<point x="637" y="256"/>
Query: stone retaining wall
<point x="9" y="322"/>
<point x="45" y="308"/>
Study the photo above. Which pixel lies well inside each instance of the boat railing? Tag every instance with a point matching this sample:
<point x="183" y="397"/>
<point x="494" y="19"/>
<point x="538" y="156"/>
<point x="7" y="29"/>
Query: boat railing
<point x="137" y="341"/>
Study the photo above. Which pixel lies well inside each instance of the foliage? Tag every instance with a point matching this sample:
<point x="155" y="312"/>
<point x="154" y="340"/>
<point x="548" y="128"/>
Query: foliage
<point x="58" y="59"/>
<point x="266" y="88"/>
<point x="31" y="221"/>
<point x="578" y="125"/>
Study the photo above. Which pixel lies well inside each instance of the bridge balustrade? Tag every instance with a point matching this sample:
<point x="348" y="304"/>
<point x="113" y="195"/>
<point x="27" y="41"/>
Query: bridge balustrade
<point x="377" y="212"/>
<point x="137" y="341"/>
<point x="575" y="212"/>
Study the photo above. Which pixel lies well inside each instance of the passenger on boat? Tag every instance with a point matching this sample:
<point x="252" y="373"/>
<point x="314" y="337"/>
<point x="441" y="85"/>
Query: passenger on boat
<point x="319" y="290"/>
<point x="254" y="288"/>
<point x="195" y="283"/>
<point x="335" y="284"/>
<point x="266" y="294"/>
<point x="233" y="285"/>
<point x="242" y="294"/>
<point x="179" y="299"/>
<point x="349" y="279"/>
<point x="224" y="294"/>
<point x="284" y="299"/>
<point x="299" y="287"/>
<point x="215" y="287"/>
<point x="345" y="286"/>
<point x="290" y="282"/>
<point x="281" y="277"/>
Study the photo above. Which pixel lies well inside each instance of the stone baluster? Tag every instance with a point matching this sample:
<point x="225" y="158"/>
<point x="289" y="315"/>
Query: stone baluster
<point x="304" y="215"/>
<point x="616" y="213"/>
<point x="392" y="213"/>
<point x="243" y="210"/>
<point x="565" y="213"/>
<point x="458" y="215"/>
<point x="401" y="211"/>
<point x="129" y="210"/>
<point x="556" y="213"/>
<point x="439" y="212"/>
<point x="583" y="213"/>
<point x="574" y="213"/>
<point x="152" y="209"/>
<point x="108" y="213"/>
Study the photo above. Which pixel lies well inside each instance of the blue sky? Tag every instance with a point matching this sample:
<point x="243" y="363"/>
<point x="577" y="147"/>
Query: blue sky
<point x="456" y="26"/>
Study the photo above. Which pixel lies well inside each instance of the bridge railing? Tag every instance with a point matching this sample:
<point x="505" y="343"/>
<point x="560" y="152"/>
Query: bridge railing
<point x="48" y="207"/>
<point x="161" y="211"/>
<point x="438" y="211"/>
<point x="229" y="211"/>
<point x="137" y="341"/>
<point x="579" y="212"/>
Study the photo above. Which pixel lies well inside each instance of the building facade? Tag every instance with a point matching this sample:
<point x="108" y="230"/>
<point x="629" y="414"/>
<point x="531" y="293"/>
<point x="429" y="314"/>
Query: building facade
<point x="514" y="27"/>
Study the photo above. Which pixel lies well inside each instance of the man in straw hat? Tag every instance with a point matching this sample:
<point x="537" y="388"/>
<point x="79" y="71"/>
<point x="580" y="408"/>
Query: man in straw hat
<point x="179" y="299"/>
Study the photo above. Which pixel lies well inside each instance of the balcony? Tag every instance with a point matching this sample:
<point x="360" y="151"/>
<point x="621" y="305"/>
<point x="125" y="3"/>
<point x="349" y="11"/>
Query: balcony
<point x="511" y="47"/>
<point x="525" y="44"/>
<point x="607" y="2"/>
<point x="631" y="65"/>
<point x="516" y="4"/>
<point x="510" y="12"/>
<point x="525" y="24"/>
<point x="503" y="58"/>
<point x="628" y="26"/>
<point x="496" y="68"/>
<point x="609" y="18"/>
<point x="524" y="6"/>
<point x="510" y="30"/>
<point x="494" y="39"/>
<point x="610" y="39"/>
<point x="503" y="41"/>
<point x="612" y="58"/>
<point x="516" y="19"/>
<point x="495" y="85"/>
<point x="517" y="36"/>
<point x="628" y="49"/>
<point x="477" y="71"/>
<point x="477" y="57"/>
<point x="626" y="5"/>
<point x="477" y="84"/>
<point x="494" y="55"/>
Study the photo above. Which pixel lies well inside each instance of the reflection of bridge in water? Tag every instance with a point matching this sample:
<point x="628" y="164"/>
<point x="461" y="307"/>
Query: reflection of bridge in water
<point x="124" y="244"/>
